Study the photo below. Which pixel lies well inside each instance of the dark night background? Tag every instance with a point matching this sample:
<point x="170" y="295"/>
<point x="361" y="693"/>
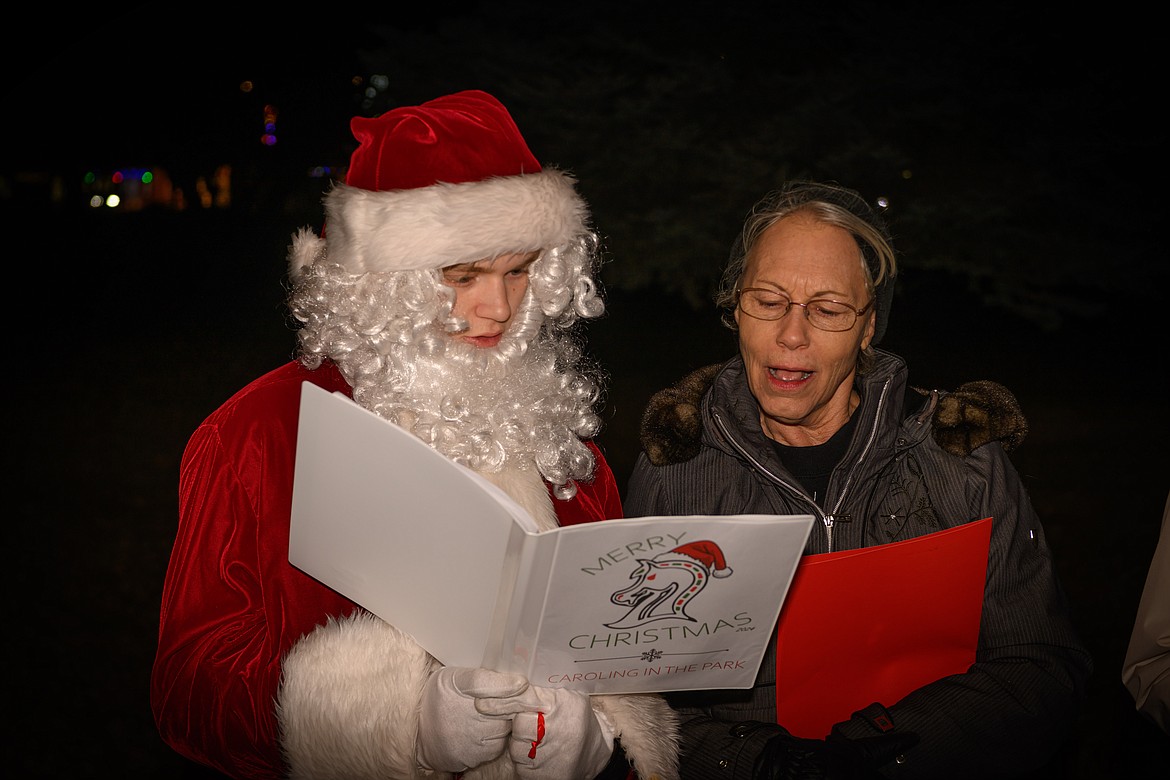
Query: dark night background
<point x="1018" y="151"/>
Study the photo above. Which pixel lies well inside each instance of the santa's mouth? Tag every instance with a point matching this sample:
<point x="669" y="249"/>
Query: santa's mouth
<point x="484" y="342"/>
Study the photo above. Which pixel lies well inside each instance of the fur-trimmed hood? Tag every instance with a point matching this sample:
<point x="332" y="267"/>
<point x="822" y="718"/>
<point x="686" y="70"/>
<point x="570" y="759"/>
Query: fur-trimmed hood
<point x="975" y="414"/>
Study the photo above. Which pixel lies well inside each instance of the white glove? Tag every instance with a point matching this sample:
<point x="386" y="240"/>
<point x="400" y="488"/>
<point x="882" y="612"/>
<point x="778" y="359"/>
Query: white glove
<point x="453" y="734"/>
<point x="555" y="733"/>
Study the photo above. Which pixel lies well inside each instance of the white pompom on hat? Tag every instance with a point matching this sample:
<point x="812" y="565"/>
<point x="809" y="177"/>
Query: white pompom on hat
<point x="449" y="181"/>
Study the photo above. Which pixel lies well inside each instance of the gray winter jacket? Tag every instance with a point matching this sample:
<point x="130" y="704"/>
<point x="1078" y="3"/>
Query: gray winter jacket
<point x="907" y="472"/>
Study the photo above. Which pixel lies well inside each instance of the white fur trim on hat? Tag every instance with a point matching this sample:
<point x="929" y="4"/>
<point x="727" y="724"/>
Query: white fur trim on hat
<point x="444" y="224"/>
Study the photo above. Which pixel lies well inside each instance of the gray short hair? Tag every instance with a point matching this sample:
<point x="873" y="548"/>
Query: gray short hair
<point x="830" y="204"/>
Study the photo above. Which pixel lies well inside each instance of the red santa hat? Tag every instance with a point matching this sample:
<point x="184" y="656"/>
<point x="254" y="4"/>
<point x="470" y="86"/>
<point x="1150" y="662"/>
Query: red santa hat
<point x="449" y="181"/>
<point x="705" y="552"/>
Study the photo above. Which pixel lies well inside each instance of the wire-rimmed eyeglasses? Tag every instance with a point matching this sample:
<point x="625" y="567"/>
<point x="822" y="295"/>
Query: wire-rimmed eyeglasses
<point x="822" y="313"/>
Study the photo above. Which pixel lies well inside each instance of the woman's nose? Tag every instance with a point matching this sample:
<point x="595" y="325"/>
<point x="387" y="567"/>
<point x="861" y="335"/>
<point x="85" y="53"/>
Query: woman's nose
<point x="792" y="330"/>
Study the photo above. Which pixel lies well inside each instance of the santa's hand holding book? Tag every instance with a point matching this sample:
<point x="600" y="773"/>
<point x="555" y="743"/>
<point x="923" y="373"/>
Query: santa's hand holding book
<point x="470" y="716"/>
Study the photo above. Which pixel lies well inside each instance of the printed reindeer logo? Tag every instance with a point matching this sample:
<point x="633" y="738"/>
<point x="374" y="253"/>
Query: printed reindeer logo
<point x="665" y="584"/>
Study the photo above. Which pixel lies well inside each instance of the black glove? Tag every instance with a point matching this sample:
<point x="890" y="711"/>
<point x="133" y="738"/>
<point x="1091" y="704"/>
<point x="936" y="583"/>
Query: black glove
<point x="836" y="757"/>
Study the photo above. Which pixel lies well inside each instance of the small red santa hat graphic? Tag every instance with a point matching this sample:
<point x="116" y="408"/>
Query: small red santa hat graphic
<point x="705" y="552"/>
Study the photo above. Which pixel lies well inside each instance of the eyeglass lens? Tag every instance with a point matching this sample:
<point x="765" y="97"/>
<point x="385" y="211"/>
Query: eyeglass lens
<point x="824" y="314"/>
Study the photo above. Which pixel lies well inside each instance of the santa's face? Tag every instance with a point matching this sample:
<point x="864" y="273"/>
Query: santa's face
<point x="464" y="358"/>
<point x="487" y="295"/>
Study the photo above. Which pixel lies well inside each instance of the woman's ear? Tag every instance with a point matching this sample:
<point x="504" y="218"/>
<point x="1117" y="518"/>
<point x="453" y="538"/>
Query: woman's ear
<point x="870" y="327"/>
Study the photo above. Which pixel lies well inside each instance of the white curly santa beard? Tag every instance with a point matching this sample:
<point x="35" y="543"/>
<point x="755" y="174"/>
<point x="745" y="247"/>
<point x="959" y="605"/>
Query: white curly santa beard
<point x="501" y="411"/>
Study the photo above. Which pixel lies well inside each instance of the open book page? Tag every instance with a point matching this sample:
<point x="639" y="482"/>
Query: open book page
<point x="663" y="603"/>
<point x="381" y="517"/>
<point x="642" y="604"/>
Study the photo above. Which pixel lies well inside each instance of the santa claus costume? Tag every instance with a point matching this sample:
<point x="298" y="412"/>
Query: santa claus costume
<point x="261" y="671"/>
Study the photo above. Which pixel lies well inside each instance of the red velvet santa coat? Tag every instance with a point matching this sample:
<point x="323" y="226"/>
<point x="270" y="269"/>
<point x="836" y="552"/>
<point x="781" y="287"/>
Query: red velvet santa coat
<point x="262" y="671"/>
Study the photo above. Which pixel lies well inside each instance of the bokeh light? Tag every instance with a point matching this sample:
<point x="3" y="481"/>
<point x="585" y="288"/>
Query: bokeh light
<point x="268" y="137"/>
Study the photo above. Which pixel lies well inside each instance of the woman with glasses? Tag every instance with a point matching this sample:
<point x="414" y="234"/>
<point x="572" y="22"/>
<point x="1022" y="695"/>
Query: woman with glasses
<point x="811" y="418"/>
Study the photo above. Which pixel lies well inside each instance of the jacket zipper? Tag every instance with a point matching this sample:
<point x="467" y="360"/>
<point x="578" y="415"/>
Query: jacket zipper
<point x="830" y="518"/>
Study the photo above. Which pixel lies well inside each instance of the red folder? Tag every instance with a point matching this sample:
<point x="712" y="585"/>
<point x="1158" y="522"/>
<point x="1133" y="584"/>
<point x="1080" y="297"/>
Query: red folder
<point x="860" y="626"/>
